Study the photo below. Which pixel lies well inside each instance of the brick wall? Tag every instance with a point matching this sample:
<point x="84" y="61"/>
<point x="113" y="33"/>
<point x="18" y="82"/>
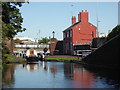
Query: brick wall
<point x="53" y="43"/>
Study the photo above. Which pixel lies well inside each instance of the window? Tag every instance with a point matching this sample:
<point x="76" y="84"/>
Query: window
<point x="64" y="35"/>
<point x="92" y="34"/>
<point x="70" y="33"/>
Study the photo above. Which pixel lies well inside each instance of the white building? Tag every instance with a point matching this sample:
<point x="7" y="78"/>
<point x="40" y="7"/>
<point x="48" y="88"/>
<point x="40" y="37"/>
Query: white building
<point x="26" y="39"/>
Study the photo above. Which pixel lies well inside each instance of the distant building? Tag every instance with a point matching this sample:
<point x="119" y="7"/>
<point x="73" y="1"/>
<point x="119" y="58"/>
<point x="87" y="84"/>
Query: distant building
<point x="27" y="43"/>
<point x="26" y="40"/>
<point x="79" y="33"/>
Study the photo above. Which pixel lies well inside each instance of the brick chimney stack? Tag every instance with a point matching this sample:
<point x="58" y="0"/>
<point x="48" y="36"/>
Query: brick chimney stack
<point x="83" y="16"/>
<point x="73" y="19"/>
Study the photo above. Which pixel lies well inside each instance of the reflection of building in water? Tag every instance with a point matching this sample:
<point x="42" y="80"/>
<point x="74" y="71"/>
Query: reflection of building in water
<point x="32" y="67"/>
<point x="78" y="74"/>
<point x="8" y="74"/>
<point x="45" y="68"/>
<point x="44" y="65"/>
<point x="53" y="69"/>
<point x="83" y="76"/>
<point x="19" y="66"/>
<point x="68" y="70"/>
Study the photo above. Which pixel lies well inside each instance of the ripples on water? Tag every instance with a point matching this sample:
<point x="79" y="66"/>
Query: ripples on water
<point x="56" y="75"/>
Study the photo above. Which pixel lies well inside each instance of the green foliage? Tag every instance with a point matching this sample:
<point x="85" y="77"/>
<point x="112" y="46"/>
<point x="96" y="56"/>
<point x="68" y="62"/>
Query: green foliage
<point x="44" y="40"/>
<point x="11" y="24"/>
<point x="114" y="32"/>
<point x="5" y="51"/>
<point x="9" y="57"/>
<point x="11" y="19"/>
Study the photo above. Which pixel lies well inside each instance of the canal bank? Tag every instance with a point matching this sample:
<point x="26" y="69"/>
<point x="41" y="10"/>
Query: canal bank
<point x="13" y="59"/>
<point x="55" y="58"/>
<point x="63" y="58"/>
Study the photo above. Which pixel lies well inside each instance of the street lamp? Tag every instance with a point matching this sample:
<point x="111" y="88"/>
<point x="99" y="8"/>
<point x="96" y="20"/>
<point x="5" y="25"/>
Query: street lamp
<point x="53" y="34"/>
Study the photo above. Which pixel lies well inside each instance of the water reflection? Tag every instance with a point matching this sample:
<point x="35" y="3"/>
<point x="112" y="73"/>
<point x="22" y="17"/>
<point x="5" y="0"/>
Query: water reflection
<point x="8" y="75"/>
<point x="32" y="67"/>
<point x="53" y="70"/>
<point x="78" y="74"/>
<point x="82" y="75"/>
<point x="56" y="75"/>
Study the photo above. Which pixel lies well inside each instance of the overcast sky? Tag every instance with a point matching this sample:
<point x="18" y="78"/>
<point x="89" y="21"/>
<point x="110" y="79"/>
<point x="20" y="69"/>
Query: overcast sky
<point x="56" y="16"/>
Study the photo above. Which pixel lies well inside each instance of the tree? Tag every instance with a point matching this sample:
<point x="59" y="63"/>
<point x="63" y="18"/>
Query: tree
<point x="114" y="32"/>
<point x="44" y="40"/>
<point x="11" y="19"/>
<point x="11" y="22"/>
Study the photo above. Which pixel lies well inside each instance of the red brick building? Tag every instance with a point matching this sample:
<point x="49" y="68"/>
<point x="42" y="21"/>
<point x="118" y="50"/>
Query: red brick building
<point x="79" y="33"/>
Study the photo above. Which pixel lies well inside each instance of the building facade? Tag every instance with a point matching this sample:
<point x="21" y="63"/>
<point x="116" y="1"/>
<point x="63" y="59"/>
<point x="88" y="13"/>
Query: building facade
<point x="79" y="33"/>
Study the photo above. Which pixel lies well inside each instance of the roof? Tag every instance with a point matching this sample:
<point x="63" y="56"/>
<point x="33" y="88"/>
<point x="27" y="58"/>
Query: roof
<point x="76" y="24"/>
<point x="24" y="38"/>
<point x="91" y="24"/>
<point x="72" y="26"/>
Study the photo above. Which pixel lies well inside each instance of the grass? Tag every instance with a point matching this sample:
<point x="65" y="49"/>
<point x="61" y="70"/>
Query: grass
<point x="61" y="59"/>
<point x="11" y="59"/>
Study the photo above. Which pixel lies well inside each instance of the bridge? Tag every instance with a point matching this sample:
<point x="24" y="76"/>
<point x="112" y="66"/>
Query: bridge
<point x="22" y="47"/>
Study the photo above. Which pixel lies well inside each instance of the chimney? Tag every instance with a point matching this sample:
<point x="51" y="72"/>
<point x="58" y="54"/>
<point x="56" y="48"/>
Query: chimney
<point x="73" y="19"/>
<point x="79" y="17"/>
<point x="83" y="16"/>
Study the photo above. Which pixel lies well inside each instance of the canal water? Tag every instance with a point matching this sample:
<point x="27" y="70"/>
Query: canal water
<point x="56" y="75"/>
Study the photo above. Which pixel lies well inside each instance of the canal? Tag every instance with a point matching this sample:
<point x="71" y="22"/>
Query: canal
<point x="56" y="75"/>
